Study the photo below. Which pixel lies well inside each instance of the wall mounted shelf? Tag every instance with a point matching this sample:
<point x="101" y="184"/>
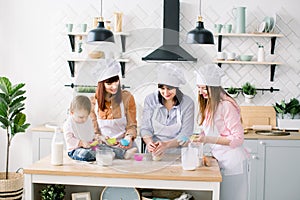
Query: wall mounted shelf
<point x="72" y="61"/>
<point x="72" y="36"/>
<point x="273" y="37"/>
<point x="247" y="62"/>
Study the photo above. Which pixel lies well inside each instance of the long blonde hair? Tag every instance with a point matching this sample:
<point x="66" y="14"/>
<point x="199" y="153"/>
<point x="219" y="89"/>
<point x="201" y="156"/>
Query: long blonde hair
<point x="208" y="107"/>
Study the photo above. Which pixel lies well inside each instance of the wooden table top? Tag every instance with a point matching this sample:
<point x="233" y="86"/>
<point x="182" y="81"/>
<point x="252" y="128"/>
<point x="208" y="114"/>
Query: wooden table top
<point x="169" y="168"/>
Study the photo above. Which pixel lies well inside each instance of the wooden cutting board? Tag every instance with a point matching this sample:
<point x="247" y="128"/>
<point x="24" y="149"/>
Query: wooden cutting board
<point x="258" y="115"/>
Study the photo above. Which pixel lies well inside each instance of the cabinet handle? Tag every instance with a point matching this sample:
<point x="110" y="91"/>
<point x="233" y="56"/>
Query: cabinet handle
<point x="262" y="143"/>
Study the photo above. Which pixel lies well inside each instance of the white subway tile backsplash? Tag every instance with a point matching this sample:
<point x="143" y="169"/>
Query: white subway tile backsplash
<point x="143" y="20"/>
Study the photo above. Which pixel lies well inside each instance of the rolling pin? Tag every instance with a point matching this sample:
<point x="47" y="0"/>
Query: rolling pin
<point x="261" y="127"/>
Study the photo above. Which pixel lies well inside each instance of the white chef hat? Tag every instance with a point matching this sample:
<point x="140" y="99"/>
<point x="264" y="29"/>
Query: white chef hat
<point x="170" y="74"/>
<point x="108" y="68"/>
<point x="210" y="75"/>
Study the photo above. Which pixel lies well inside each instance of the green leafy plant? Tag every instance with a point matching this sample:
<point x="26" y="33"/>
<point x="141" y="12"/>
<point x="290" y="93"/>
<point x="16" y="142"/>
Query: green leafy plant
<point x="292" y="107"/>
<point x="50" y="192"/>
<point x="249" y="89"/>
<point x="232" y="90"/>
<point x="11" y="106"/>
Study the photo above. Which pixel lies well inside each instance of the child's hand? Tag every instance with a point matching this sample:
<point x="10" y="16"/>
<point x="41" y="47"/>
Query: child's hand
<point x="94" y="143"/>
<point x="84" y="144"/>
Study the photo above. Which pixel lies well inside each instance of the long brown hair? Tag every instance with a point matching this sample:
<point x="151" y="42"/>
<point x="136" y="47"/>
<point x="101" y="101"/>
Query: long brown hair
<point x="100" y="92"/>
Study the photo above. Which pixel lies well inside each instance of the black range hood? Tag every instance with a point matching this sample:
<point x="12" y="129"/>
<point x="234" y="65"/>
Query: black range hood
<point x="170" y="50"/>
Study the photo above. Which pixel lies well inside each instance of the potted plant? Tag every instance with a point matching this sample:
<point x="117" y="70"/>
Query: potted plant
<point x="55" y="191"/>
<point x="233" y="92"/>
<point x="13" y="120"/>
<point x="288" y="114"/>
<point x="249" y="92"/>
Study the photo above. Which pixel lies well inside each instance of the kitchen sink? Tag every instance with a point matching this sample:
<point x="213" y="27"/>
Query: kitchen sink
<point x="272" y="133"/>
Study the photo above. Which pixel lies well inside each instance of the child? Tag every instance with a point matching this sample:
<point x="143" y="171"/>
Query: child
<point x="79" y="132"/>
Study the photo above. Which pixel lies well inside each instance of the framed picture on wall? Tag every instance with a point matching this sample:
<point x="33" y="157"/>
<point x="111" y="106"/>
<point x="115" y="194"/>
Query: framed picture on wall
<point x="81" y="196"/>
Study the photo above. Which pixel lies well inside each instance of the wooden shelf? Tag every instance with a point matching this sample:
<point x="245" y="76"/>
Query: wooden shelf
<point x="247" y="62"/>
<point x="72" y="61"/>
<point x="85" y="33"/>
<point x="72" y="35"/>
<point x="273" y="37"/>
<point x="95" y="60"/>
<point x="249" y="34"/>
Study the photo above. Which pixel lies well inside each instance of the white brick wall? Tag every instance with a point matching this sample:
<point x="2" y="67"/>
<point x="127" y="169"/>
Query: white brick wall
<point x="48" y="99"/>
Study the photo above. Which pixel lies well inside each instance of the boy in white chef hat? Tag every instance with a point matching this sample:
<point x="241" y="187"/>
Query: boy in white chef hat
<point x="223" y="131"/>
<point x="114" y="111"/>
<point x="168" y="115"/>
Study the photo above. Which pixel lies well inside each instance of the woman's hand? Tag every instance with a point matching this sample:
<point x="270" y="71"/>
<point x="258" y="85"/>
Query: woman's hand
<point x="199" y="138"/>
<point x="126" y="142"/>
<point x="151" y="146"/>
<point x="160" y="148"/>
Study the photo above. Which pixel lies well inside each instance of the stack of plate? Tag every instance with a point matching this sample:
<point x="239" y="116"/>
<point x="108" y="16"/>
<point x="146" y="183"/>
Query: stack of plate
<point x="267" y="25"/>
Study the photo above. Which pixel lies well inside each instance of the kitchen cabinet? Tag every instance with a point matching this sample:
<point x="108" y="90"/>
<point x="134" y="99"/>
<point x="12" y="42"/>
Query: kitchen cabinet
<point x="251" y="145"/>
<point x="41" y="144"/>
<point x="125" y="173"/>
<point x="273" y="37"/>
<point x="274" y="169"/>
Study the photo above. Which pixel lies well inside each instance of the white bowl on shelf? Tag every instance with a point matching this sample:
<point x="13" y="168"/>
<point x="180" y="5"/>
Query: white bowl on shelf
<point x="246" y="57"/>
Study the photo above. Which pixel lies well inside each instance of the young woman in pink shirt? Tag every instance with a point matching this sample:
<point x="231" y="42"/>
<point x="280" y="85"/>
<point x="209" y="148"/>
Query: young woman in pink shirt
<point x="223" y="132"/>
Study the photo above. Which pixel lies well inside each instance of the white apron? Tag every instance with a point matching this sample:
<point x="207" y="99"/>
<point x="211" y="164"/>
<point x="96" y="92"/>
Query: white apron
<point x="230" y="159"/>
<point x="113" y="128"/>
<point x="163" y="132"/>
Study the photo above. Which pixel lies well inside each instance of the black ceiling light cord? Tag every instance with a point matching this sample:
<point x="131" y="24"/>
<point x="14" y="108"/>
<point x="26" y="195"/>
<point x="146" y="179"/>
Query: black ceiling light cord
<point x="100" y="34"/>
<point x="200" y="35"/>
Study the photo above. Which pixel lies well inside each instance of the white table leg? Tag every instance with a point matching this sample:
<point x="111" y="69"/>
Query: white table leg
<point x="28" y="187"/>
<point x="216" y="192"/>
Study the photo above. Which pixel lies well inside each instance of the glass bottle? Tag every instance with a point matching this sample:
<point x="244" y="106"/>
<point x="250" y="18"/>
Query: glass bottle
<point x="57" y="147"/>
<point x="260" y="53"/>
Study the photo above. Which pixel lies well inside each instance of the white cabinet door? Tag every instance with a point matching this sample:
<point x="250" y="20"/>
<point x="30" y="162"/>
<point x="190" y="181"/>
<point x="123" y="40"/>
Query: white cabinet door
<point x="278" y="170"/>
<point x="41" y="145"/>
<point x="251" y="146"/>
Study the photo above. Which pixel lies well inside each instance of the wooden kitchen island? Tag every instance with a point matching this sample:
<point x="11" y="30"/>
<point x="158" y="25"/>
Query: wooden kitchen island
<point x="164" y="174"/>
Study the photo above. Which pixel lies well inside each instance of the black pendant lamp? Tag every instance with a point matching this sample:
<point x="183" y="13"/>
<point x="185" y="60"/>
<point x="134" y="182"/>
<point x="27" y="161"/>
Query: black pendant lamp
<point x="100" y="34"/>
<point x="200" y="35"/>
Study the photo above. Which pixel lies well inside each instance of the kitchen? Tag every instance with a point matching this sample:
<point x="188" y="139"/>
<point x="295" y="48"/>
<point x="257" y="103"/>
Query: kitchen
<point x="36" y="48"/>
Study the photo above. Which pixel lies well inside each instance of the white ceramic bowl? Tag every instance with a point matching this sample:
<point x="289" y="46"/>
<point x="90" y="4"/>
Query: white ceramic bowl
<point x="246" y="57"/>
